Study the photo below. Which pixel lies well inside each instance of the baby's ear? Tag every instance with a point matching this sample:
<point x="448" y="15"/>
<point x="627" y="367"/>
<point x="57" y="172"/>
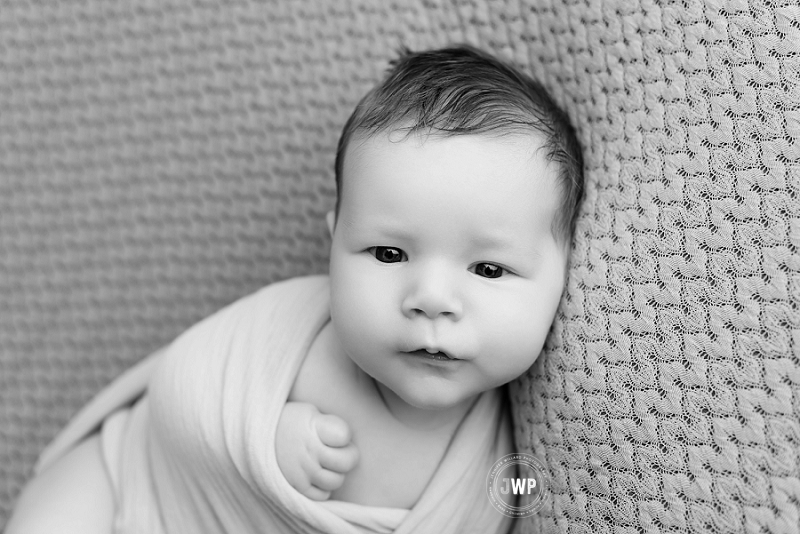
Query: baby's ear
<point x="330" y="218"/>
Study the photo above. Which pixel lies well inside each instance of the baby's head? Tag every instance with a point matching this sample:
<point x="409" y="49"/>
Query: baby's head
<point x="458" y="181"/>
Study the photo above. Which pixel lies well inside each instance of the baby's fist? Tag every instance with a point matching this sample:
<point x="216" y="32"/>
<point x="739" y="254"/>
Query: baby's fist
<point x="314" y="450"/>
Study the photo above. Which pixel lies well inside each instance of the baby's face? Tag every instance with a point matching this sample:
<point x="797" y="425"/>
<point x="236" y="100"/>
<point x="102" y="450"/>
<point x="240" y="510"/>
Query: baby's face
<point x="444" y="246"/>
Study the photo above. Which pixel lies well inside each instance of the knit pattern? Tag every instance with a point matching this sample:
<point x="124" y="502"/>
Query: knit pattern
<point x="159" y="159"/>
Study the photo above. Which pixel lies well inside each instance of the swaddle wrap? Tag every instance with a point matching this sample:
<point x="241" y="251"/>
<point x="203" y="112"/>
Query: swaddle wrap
<point x="195" y="452"/>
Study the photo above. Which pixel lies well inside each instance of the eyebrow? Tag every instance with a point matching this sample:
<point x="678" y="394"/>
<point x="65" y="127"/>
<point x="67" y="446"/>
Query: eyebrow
<point x="490" y="242"/>
<point x="388" y="231"/>
<point x="494" y="244"/>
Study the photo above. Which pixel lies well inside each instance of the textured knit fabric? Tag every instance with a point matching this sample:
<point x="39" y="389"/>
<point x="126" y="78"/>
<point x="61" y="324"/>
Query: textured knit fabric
<point x="196" y="452"/>
<point x="159" y="159"/>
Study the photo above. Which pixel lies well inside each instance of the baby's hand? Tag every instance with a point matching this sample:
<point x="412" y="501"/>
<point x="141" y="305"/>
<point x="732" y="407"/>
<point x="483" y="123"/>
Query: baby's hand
<point x="314" y="451"/>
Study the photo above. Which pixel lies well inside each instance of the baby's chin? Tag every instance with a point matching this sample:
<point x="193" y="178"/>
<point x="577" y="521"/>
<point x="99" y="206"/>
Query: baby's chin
<point x="434" y="402"/>
<point x="431" y="399"/>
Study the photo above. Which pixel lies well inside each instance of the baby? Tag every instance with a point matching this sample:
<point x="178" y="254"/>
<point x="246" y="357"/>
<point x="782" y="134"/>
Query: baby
<point x="458" y="183"/>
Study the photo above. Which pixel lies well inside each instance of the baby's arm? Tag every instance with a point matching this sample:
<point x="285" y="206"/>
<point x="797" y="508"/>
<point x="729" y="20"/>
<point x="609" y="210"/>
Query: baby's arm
<point x="314" y="450"/>
<point x="71" y="496"/>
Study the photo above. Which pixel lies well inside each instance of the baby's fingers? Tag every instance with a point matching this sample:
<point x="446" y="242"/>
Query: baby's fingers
<point x="316" y="494"/>
<point x="339" y="460"/>
<point x="327" y="480"/>
<point x="333" y="431"/>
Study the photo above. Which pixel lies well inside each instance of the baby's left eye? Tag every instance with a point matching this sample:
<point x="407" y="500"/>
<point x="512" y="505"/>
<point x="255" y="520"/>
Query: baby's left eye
<point x="489" y="270"/>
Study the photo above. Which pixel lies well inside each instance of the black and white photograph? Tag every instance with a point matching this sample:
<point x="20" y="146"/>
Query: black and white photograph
<point x="407" y="267"/>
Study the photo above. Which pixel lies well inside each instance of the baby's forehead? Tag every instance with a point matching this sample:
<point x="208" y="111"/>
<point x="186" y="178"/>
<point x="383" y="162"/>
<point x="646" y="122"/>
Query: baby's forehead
<point x="497" y="149"/>
<point x="528" y="145"/>
<point x="481" y="173"/>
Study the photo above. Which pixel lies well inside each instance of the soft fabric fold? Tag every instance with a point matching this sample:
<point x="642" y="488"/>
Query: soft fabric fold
<point x="188" y="434"/>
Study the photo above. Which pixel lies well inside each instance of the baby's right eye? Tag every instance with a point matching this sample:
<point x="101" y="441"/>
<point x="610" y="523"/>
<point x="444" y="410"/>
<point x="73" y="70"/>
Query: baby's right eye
<point x="388" y="254"/>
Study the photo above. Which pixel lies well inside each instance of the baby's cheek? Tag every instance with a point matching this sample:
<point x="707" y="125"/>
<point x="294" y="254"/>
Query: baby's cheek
<point x="359" y="316"/>
<point x="523" y="334"/>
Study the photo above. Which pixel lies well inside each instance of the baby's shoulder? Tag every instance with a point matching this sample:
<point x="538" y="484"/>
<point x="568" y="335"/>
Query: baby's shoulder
<point x="329" y="379"/>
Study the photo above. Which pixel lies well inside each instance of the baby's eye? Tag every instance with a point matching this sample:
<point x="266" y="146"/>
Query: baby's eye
<point x="388" y="254"/>
<point x="489" y="270"/>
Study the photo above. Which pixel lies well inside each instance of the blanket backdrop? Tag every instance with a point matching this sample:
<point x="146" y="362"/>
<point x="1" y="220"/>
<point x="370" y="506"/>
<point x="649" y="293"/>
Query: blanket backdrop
<point x="160" y="159"/>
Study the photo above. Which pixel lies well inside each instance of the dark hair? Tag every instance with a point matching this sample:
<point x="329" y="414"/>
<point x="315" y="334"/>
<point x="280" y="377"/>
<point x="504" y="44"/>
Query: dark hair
<point x="462" y="90"/>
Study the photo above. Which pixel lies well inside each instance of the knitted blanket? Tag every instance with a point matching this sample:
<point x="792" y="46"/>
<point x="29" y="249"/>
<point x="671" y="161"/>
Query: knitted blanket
<point x="196" y="451"/>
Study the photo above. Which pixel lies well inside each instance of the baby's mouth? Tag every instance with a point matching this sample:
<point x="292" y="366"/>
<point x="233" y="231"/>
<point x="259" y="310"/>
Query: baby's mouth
<point x="435" y="355"/>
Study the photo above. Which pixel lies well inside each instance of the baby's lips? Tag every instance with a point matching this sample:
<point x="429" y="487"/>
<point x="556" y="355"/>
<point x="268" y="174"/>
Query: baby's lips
<point x="426" y="344"/>
<point x="431" y="350"/>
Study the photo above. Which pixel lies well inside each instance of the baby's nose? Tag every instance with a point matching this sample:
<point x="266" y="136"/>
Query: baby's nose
<point x="433" y="296"/>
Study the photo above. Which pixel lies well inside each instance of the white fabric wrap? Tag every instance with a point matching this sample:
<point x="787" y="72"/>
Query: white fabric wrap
<point x="195" y="453"/>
